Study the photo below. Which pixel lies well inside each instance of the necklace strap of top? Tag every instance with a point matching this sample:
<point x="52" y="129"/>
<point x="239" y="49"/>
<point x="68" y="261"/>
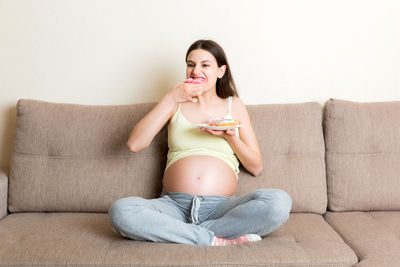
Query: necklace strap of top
<point x="229" y="105"/>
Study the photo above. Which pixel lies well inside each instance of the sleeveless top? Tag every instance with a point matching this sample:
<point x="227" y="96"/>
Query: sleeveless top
<point x="186" y="139"/>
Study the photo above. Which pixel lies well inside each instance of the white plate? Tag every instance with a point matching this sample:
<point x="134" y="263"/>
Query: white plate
<point x="205" y="125"/>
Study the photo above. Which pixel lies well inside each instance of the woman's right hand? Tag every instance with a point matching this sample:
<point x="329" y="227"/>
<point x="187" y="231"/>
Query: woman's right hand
<point x="186" y="92"/>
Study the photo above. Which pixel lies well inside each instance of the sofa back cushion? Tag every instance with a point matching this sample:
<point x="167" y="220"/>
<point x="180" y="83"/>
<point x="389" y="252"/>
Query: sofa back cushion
<point x="362" y="155"/>
<point x="72" y="157"/>
<point x="291" y="140"/>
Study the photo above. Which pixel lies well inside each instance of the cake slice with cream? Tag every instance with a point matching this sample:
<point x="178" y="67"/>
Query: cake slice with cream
<point x="222" y="121"/>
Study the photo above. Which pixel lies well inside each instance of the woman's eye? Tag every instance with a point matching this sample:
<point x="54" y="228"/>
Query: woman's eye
<point x="191" y="65"/>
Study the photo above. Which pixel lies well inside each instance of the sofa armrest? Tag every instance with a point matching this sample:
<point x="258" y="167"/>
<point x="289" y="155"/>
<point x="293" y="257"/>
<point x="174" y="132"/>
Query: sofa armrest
<point x="3" y="194"/>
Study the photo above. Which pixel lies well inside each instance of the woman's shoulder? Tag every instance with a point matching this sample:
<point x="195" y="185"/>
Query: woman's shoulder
<point x="237" y="104"/>
<point x="236" y="99"/>
<point x="239" y="111"/>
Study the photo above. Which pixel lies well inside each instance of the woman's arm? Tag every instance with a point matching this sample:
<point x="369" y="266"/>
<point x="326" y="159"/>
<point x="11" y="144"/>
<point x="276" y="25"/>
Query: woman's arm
<point x="250" y="158"/>
<point x="246" y="147"/>
<point x="148" y="127"/>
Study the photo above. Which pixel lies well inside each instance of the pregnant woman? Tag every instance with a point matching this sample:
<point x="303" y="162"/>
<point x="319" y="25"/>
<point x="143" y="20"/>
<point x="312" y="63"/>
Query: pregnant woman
<point x="198" y="204"/>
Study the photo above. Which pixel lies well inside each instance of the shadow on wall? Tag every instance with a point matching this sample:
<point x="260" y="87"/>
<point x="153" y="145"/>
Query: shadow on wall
<point x="8" y="135"/>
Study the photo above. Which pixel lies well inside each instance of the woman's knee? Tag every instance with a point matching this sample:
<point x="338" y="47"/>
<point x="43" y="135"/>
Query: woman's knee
<point x="278" y="201"/>
<point x="124" y="206"/>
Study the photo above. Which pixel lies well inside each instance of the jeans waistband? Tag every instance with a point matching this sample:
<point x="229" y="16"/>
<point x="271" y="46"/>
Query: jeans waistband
<point x="194" y="202"/>
<point x="190" y="196"/>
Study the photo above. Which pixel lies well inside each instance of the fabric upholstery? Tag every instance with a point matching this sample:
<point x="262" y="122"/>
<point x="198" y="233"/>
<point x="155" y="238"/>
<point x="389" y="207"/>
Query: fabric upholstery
<point x="362" y="155"/>
<point x="3" y="194"/>
<point x="71" y="157"/>
<point x="86" y="239"/>
<point x="374" y="236"/>
<point x="292" y="145"/>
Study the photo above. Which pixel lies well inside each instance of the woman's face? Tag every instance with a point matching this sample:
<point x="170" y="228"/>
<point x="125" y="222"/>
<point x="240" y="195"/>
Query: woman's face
<point x="202" y="64"/>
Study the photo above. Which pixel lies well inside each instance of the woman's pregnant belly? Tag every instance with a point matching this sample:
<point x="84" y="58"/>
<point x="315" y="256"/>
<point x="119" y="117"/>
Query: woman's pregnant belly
<point x="200" y="175"/>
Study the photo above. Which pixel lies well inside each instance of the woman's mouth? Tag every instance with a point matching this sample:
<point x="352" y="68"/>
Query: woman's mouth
<point x="196" y="80"/>
<point x="200" y="79"/>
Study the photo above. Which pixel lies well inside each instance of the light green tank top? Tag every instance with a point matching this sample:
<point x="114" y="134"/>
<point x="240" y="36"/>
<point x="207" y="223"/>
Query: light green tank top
<point x="186" y="139"/>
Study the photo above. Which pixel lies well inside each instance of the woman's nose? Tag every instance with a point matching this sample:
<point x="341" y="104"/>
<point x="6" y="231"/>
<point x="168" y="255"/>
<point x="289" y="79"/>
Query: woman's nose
<point x="196" y="69"/>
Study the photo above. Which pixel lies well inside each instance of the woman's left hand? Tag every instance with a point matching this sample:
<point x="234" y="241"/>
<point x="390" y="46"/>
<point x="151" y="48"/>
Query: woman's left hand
<point x="222" y="133"/>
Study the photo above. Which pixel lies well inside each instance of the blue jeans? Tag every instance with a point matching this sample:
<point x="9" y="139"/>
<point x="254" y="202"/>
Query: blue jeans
<point x="195" y="219"/>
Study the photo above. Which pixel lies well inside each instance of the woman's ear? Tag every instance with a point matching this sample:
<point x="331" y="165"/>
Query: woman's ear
<point x="221" y="71"/>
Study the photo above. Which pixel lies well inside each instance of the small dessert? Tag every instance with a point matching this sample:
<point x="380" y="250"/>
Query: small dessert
<point x="197" y="80"/>
<point x="222" y="121"/>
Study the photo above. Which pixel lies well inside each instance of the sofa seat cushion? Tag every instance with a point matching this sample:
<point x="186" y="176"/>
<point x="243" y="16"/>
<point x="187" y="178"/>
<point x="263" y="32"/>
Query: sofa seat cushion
<point x="374" y="236"/>
<point x="82" y="239"/>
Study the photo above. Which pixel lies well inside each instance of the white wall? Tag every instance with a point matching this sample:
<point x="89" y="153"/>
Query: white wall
<point x="121" y="52"/>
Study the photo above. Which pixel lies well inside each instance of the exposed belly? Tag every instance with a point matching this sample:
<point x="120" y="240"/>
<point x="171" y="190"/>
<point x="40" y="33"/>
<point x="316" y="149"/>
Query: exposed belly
<point x="200" y="175"/>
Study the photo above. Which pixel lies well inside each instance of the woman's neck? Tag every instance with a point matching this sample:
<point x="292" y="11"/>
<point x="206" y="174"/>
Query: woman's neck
<point x="207" y="99"/>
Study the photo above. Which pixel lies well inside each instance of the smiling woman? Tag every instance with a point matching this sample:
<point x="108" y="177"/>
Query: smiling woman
<point x="197" y="205"/>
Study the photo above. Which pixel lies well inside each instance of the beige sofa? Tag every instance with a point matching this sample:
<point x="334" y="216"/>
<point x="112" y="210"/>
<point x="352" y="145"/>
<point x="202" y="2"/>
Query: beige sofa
<point x="339" y="162"/>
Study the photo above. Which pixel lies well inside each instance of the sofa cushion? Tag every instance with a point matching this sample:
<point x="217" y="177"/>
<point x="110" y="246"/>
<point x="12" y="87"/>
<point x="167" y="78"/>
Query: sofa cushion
<point x="3" y="193"/>
<point x="374" y="236"/>
<point x="362" y="155"/>
<point x="292" y="145"/>
<point x="82" y="239"/>
<point x="72" y="157"/>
